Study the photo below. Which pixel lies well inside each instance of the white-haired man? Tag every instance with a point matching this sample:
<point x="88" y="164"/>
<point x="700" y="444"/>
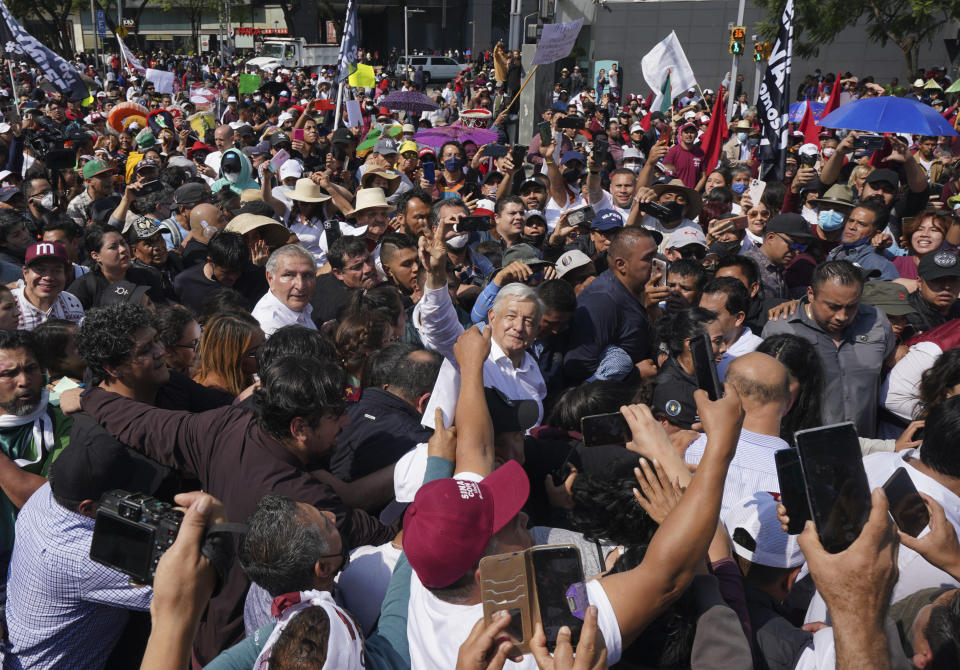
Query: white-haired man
<point x="292" y="276"/>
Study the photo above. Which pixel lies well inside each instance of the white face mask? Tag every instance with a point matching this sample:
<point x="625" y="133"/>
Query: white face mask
<point x="231" y="176"/>
<point x="828" y="152"/>
<point x="47" y="202"/>
<point x="458" y="242"/>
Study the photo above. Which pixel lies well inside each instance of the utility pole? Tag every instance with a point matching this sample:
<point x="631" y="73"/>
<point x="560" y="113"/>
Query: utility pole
<point x="756" y="78"/>
<point x="514" y="39"/>
<point x="733" y="70"/>
<point x="96" y="35"/>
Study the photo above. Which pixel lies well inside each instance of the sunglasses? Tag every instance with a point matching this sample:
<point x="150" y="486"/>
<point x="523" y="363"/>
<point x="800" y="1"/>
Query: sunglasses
<point x="794" y="246"/>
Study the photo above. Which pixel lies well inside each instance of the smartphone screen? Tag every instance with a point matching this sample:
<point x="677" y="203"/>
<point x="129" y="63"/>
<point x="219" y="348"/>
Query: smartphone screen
<point x="703" y="364"/>
<point x="545" y="135"/>
<point x="739" y="222"/>
<point x="793" y="494"/>
<point x="277" y="161"/>
<point x="906" y="506"/>
<point x="661" y="269"/>
<point x="469" y="224"/>
<point x="600" y="430"/>
<point x="298" y="134"/>
<point x="429" y="172"/>
<point x="495" y="150"/>
<point x="555" y="570"/>
<point x="836" y="483"/>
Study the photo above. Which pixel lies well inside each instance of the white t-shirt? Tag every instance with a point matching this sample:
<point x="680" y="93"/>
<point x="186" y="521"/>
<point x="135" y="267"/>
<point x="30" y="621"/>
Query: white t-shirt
<point x="606" y="202"/>
<point x="363" y="585"/>
<point x="746" y="343"/>
<point x="899" y="390"/>
<point x="436" y="629"/>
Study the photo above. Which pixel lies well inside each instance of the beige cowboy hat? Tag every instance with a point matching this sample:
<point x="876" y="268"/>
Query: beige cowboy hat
<point x="306" y="190"/>
<point x="694" y="202"/>
<point x="250" y="195"/>
<point x="370" y="198"/>
<point x="743" y="126"/>
<point x="838" y="195"/>
<point x="272" y="232"/>
<point x="392" y="177"/>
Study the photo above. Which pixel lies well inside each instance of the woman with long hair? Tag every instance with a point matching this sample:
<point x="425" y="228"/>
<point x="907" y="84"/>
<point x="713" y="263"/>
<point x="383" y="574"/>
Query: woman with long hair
<point x="806" y="381"/>
<point x="923" y="234"/>
<point x="228" y="352"/>
<point x="357" y="337"/>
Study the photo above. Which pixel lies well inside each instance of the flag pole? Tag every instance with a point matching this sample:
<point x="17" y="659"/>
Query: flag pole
<point x="336" y="114"/>
<point x="523" y="86"/>
<point x="13" y="85"/>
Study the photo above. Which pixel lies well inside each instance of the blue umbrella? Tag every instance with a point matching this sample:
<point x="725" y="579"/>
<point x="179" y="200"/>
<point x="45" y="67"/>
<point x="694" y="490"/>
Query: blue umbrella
<point x="888" y="114"/>
<point x="796" y="111"/>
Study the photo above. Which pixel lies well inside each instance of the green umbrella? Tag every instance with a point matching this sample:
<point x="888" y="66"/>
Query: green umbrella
<point x="954" y="87"/>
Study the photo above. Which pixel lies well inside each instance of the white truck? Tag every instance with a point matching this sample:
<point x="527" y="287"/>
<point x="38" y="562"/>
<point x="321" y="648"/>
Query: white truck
<point x="294" y="52"/>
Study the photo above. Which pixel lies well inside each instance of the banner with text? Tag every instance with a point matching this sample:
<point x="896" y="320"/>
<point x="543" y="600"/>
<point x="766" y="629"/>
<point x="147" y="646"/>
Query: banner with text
<point x="556" y="41"/>
<point x="773" y="106"/>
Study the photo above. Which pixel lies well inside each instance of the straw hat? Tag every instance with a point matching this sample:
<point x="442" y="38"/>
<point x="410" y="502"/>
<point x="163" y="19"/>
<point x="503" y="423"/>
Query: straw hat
<point x="369" y="198"/>
<point x="694" y="202"/>
<point x="275" y="234"/>
<point x="306" y="190"/>
<point x="250" y="195"/>
<point x="838" y="195"/>
<point x="392" y="177"/>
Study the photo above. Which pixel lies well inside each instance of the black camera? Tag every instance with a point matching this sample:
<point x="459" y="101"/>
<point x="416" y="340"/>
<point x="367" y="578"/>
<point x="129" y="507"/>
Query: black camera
<point x="654" y="209"/>
<point x="131" y="533"/>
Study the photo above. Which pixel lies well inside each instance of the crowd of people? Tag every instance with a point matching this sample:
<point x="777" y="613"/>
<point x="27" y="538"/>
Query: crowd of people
<point x="376" y="352"/>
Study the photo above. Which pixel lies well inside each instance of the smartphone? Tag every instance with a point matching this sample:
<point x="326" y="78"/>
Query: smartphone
<point x="332" y="229"/>
<point x="869" y="142"/>
<point x="546" y="136"/>
<point x="654" y="209"/>
<point x="150" y="187"/>
<point x="907" y="508"/>
<point x="496" y="150"/>
<point x="808" y="160"/>
<point x="661" y="266"/>
<point x="298" y="134"/>
<point x="738" y="222"/>
<point x="837" y="490"/>
<point x="701" y="348"/>
<point x="504" y="585"/>
<point x="470" y="224"/>
<point x="582" y="216"/>
<point x="429" y="172"/>
<point x="277" y="161"/>
<point x="755" y="190"/>
<point x="557" y="574"/>
<point x="600" y="430"/>
<point x="518" y="154"/>
<point x="793" y="494"/>
<point x="570" y="122"/>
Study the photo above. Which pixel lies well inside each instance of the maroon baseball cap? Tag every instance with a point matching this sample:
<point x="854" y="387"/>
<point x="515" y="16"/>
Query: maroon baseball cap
<point x="450" y="522"/>
<point x="42" y="250"/>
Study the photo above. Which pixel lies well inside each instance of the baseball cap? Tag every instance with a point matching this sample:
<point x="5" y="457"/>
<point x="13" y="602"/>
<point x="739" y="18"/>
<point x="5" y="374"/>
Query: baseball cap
<point x="143" y="227"/>
<point x="790" y="224"/>
<point x="447" y="527"/>
<point x="385" y="147"/>
<point x="524" y="253"/>
<point x="606" y="219"/>
<point x="342" y="136"/>
<point x="939" y="264"/>
<point x="95" y="167"/>
<point x="534" y="214"/>
<point x="572" y="156"/>
<point x="191" y="195"/>
<point x="426" y="151"/>
<point x="632" y="152"/>
<point x="231" y="98"/>
<point x="887" y="296"/>
<point x="409" y="128"/>
<point x="147" y="163"/>
<point x="684" y="236"/>
<point x="278" y="138"/>
<point x="42" y="250"/>
<point x="536" y="181"/>
<point x="570" y="261"/>
<point x="674" y="400"/>
<point x="688" y="125"/>
<point x="636" y="127"/>
<point x="291" y="169"/>
<point x="407" y="145"/>
<point x="755" y="530"/>
<point x="8" y="192"/>
<point x="888" y="176"/>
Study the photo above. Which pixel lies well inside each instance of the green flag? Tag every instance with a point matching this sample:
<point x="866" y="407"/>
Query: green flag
<point x="249" y="83"/>
<point x="666" y="95"/>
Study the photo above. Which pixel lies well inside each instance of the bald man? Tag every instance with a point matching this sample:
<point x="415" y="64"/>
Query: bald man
<point x="205" y="220"/>
<point x="764" y="388"/>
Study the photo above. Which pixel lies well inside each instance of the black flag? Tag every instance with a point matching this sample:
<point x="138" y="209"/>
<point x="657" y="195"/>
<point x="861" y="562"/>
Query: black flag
<point x="773" y="107"/>
<point x="57" y="71"/>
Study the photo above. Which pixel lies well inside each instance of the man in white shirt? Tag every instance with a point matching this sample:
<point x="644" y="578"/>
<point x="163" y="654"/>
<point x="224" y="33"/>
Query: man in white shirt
<point x="763" y="384"/>
<point x="41" y="296"/>
<point x="623" y="184"/>
<point x="292" y="277"/>
<point x="729" y="299"/>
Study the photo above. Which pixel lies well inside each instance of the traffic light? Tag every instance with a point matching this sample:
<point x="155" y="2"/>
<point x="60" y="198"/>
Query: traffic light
<point x="738" y="36"/>
<point x="758" y="52"/>
<point x="767" y="50"/>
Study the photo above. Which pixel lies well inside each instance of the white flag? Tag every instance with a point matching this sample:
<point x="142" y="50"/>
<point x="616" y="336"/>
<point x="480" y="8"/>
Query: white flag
<point x="667" y="56"/>
<point x="162" y="81"/>
<point x="128" y="56"/>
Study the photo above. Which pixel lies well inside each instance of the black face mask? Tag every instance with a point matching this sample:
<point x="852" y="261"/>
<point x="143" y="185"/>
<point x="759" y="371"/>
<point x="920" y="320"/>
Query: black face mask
<point x="571" y="175"/>
<point x="726" y="248"/>
<point x="534" y="240"/>
<point x="676" y="210"/>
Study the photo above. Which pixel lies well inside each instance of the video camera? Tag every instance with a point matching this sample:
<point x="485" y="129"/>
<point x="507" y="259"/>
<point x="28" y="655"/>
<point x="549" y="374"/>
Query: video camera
<point x="47" y="143"/>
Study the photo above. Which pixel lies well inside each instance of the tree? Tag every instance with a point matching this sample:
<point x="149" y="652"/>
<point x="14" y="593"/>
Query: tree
<point x="50" y="16"/>
<point x="907" y="23"/>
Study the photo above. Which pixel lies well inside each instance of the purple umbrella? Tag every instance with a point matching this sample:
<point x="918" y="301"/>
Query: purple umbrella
<point x="435" y="137"/>
<point x="410" y="101"/>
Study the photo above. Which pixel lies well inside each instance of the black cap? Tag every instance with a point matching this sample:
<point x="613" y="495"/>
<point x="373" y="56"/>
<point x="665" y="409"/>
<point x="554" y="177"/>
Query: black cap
<point x="888" y="176"/>
<point x="89" y="468"/>
<point x="510" y="416"/>
<point x="279" y="138"/>
<point x="939" y="264"/>
<point x="244" y="130"/>
<point x="536" y="181"/>
<point x="342" y="136"/>
<point x="790" y="224"/>
<point x="191" y="195"/>
<point x="674" y="400"/>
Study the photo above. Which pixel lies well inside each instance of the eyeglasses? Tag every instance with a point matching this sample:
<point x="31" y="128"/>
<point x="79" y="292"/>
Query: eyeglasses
<point x="344" y="554"/>
<point x="794" y="246"/>
<point x="194" y="344"/>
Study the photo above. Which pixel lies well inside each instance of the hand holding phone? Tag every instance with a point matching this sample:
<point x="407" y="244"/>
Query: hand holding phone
<point x="546" y="136"/>
<point x="277" y="161"/>
<point x="600" y="430"/>
<point x="429" y="171"/>
<point x="701" y="348"/>
<point x="298" y="135"/>
<point x="793" y="493"/>
<point x="908" y="509"/>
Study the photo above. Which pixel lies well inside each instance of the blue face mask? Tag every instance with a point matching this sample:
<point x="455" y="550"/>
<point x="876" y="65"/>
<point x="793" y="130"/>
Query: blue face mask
<point x="741" y="137"/>
<point x="830" y="220"/>
<point x="740" y="187"/>
<point x="453" y="164"/>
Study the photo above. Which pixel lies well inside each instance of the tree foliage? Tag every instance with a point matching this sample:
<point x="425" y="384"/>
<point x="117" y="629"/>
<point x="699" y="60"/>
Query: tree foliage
<point x="910" y="24"/>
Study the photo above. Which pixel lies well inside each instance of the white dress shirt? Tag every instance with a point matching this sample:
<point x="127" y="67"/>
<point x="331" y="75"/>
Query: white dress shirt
<point x="752" y="469"/>
<point x="899" y="391"/>
<point x="273" y="315"/>
<point x="435" y="319"/>
<point x="746" y="343"/>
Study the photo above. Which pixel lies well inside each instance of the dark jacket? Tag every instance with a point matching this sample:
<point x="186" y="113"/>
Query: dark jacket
<point x="382" y="428"/>
<point x="329" y="299"/>
<point x="927" y="317"/>
<point x="88" y="288"/>
<point x="238" y="462"/>
<point x="607" y="314"/>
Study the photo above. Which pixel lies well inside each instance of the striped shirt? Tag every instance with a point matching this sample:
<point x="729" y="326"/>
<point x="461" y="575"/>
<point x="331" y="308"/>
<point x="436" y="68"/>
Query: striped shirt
<point x="66" y="306"/>
<point x="752" y="469"/>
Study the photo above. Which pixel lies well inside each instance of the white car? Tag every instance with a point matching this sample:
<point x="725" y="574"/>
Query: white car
<point x="435" y="68"/>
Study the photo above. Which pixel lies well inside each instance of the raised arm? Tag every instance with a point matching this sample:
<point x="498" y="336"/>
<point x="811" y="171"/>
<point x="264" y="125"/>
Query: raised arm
<point x="474" y="426"/>
<point x="679" y="546"/>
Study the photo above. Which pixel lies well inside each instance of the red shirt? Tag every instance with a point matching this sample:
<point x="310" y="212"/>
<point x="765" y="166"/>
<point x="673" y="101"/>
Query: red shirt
<point x="687" y="163"/>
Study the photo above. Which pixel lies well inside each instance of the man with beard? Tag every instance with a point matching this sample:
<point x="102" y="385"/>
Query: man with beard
<point x="398" y="256"/>
<point x="533" y="192"/>
<point x="353" y="267"/>
<point x="32" y="434"/>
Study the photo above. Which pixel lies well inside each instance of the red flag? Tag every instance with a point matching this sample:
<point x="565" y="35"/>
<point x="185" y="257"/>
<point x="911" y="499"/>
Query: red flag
<point x="716" y="133"/>
<point x="834" y="101"/>
<point x="645" y="121"/>
<point x="809" y="127"/>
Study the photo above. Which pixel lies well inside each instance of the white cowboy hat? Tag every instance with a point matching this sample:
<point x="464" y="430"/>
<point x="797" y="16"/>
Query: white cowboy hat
<point x="368" y="198"/>
<point x="306" y="190"/>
